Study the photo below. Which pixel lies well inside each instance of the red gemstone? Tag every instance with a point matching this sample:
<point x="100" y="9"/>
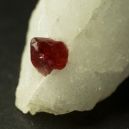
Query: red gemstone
<point x="47" y="54"/>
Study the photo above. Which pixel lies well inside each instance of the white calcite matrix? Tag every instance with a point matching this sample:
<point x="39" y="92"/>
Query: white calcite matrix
<point x="96" y="33"/>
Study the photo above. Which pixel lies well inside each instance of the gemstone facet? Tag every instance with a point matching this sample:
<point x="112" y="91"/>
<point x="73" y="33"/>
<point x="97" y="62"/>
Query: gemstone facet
<point x="48" y="54"/>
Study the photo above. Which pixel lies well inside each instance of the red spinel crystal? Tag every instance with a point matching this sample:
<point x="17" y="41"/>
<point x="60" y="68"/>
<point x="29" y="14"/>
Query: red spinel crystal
<point x="47" y="54"/>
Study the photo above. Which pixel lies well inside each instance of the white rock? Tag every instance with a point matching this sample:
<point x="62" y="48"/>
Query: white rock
<point x="97" y="35"/>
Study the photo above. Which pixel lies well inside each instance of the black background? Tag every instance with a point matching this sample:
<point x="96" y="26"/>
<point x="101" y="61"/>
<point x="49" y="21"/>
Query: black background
<point x="113" y="113"/>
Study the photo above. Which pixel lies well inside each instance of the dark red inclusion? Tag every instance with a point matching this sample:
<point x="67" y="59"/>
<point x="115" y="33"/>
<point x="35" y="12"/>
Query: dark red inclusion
<point x="48" y="54"/>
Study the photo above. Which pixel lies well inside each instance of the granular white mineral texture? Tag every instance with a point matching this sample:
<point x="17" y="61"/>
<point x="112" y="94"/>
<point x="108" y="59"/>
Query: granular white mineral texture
<point x="96" y="33"/>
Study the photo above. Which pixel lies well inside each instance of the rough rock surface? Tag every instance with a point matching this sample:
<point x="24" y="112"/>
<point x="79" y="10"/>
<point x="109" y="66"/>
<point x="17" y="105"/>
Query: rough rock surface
<point x="97" y="35"/>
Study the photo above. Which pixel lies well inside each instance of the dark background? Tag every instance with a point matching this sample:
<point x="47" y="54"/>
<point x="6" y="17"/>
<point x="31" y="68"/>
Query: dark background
<point x="113" y="113"/>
